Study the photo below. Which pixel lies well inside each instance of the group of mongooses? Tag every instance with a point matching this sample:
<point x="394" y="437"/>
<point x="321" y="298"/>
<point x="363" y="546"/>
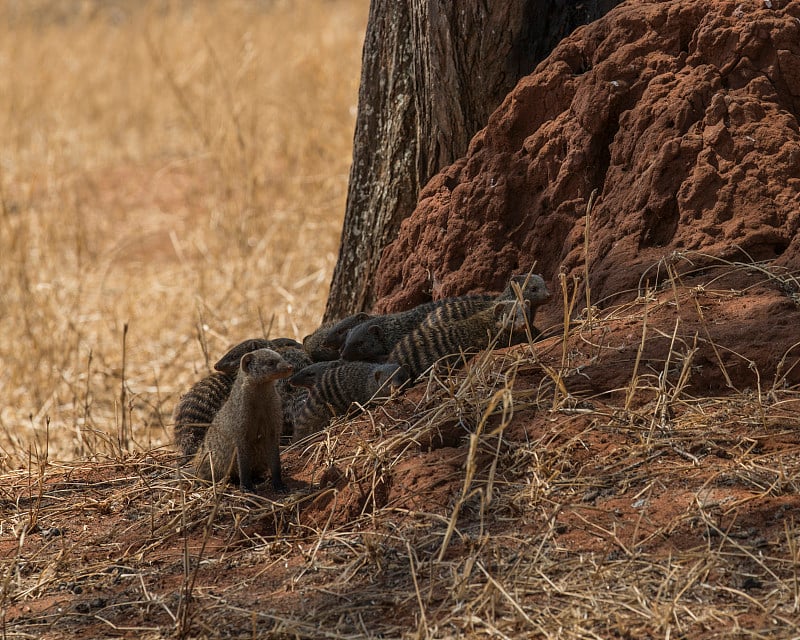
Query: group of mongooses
<point x="230" y="422"/>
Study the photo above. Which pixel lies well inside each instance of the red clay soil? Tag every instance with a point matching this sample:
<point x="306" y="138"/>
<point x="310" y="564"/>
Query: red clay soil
<point x="683" y="115"/>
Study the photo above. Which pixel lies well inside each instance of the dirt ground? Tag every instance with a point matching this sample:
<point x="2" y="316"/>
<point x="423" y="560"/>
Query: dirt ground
<point x="639" y="479"/>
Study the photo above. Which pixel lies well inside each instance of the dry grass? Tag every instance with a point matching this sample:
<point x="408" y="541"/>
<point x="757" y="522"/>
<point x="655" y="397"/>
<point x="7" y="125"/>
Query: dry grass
<point x="175" y="168"/>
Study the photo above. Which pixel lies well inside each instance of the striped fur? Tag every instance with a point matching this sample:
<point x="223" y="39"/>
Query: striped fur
<point x="339" y="387"/>
<point x="434" y="341"/>
<point x="197" y="408"/>
<point x="293" y="398"/>
<point x="309" y="376"/>
<point x="373" y="341"/>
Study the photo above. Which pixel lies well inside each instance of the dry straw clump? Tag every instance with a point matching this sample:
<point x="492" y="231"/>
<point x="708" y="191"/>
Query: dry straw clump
<point x="164" y="167"/>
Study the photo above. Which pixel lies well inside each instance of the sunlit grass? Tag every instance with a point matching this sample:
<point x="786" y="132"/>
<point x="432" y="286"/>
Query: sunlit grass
<point x="179" y="168"/>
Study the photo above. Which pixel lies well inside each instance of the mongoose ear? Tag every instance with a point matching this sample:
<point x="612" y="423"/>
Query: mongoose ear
<point x="375" y="329"/>
<point x="500" y="309"/>
<point x="245" y="362"/>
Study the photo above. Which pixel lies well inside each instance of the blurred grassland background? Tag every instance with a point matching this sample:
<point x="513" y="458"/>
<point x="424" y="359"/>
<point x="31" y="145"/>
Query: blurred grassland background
<point x="176" y="167"/>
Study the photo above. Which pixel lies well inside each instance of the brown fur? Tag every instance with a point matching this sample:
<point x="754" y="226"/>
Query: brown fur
<point x="243" y="439"/>
<point x="196" y="410"/>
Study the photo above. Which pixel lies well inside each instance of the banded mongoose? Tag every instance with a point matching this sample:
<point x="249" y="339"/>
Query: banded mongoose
<point x="373" y="340"/>
<point x="292" y="351"/>
<point x="430" y="342"/>
<point x="229" y="363"/>
<point x="309" y="376"/>
<point x="197" y="408"/>
<point x="532" y="289"/>
<point x="340" y="387"/>
<point x="324" y="344"/>
<point x="243" y="440"/>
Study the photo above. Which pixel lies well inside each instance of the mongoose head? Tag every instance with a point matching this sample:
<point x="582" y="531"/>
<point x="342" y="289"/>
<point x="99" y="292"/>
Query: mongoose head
<point x="310" y="375"/>
<point x="388" y="378"/>
<point x="229" y="363"/>
<point x="531" y="287"/>
<point x="335" y="339"/>
<point x="367" y="342"/>
<point x="264" y="365"/>
<point x="510" y="316"/>
<point x="279" y="344"/>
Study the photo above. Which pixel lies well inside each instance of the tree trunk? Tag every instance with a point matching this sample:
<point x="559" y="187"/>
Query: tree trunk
<point x="432" y="73"/>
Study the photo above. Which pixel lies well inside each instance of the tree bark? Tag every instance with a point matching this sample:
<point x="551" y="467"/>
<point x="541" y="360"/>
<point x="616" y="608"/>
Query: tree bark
<point x="432" y="73"/>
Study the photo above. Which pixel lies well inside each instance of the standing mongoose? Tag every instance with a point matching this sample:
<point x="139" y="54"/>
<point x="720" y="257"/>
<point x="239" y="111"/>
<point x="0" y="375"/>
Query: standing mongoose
<point x="291" y="351"/>
<point x="325" y="343"/>
<point x="341" y="386"/>
<point x="244" y="437"/>
<point x="372" y="341"/>
<point x="419" y="350"/>
<point x="197" y="408"/>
